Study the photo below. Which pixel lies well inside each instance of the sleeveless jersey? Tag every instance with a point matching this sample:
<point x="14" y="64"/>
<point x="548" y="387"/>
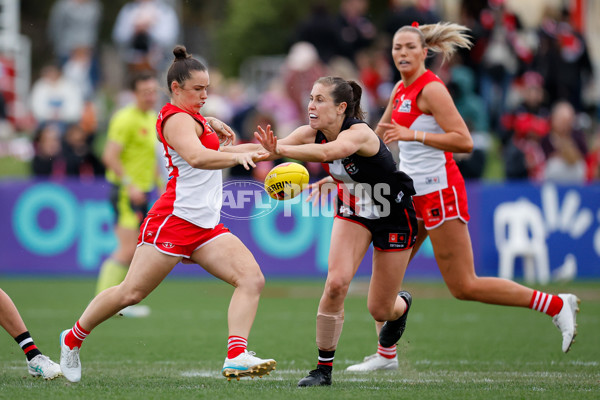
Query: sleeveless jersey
<point x="368" y="187"/>
<point x="427" y="166"/>
<point x="192" y="194"/>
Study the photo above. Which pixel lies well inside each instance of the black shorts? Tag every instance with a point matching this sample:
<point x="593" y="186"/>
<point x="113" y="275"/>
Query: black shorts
<point x="127" y="214"/>
<point x="393" y="233"/>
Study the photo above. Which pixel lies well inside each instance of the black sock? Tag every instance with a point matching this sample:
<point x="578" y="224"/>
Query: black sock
<point x="29" y="348"/>
<point x="326" y="360"/>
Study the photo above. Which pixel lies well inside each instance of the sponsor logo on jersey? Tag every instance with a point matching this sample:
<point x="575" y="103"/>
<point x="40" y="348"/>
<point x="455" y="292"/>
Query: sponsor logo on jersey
<point x="432" y="180"/>
<point x="434" y="212"/>
<point x="397" y="240"/>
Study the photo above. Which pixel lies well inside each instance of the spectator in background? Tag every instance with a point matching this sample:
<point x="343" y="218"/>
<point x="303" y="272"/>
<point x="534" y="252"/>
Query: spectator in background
<point x="502" y="57"/>
<point x="73" y="24"/>
<point x="321" y="30"/>
<point x="523" y="128"/>
<point x="472" y="108"/>
<point x="565" y="147"/>
<point x="146" y="31"/>
<point x="593" y="158"/>
<point x="80" y="160"/>
<point x="405" y="12"/>
<point x="356" y="31"/>
<point x="55" y="98"/>
<point x="302" y="68"/>
<point x="48" y="160"/>
<point x="276" y="101"/>
<point x="78" y="69"/>
<point x="375" y="74"/>
<point x="563" y="60"/>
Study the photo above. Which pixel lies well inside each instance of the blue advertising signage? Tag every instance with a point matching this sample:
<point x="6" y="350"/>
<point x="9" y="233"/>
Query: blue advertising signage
<point x="517" y="230"/>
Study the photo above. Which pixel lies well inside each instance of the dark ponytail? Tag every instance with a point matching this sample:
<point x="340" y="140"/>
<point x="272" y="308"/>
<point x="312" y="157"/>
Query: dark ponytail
<point x="182" y="66"/>
<point x="344" y="91"/>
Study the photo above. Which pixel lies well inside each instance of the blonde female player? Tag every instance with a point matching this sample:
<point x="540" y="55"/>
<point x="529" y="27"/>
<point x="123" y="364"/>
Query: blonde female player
<point x="184" y="224"/>
<point x="374" y="205"/>
<point x="422" y="117"/>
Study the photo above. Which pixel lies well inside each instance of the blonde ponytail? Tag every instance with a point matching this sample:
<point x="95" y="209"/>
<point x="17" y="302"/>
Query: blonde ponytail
<point x="443" y="37"/>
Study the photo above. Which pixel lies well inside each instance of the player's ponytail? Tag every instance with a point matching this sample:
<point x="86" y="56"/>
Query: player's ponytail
<point x="443" y="37"/>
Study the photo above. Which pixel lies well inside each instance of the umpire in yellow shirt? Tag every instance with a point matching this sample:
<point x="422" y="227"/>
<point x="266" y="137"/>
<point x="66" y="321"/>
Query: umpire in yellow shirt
<point x="130" y="157"/>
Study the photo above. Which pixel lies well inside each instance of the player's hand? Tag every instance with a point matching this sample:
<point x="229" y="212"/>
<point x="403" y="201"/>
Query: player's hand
<point x="267" y="139"/>
<point x="394" y="131"/>
<point x="321" y="190"/>
<point x="224" y="132"/>
<point x="249" y="159"/>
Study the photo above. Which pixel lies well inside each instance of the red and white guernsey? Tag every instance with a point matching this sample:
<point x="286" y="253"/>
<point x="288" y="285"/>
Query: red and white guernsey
<point x="428" y="167"/>
<point x="192" y="194"/>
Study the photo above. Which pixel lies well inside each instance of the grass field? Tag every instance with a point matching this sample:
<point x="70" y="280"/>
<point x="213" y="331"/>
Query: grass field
<point x="451" y="349"/>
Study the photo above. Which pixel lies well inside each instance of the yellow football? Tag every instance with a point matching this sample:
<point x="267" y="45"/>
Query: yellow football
<point x="286" y="181"/>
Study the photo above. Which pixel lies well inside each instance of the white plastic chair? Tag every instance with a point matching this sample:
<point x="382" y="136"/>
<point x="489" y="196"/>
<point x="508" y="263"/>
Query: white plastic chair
<point x="519" y="231"/>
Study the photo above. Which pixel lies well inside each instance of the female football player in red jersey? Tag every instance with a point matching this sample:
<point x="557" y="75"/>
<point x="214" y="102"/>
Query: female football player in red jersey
<point x="422" y="117"/>
<point x="184" y="225"/>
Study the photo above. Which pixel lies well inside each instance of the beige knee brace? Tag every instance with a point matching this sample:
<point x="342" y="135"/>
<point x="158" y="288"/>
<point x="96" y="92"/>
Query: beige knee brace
<point x="329" y="329"/>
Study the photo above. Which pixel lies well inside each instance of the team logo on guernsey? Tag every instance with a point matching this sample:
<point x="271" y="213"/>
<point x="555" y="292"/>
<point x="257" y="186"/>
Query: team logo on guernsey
<point x="349" y="166"/>
<point x="167" y="245"/>
<point x="405" y="106"/>
<point x="345" y="210"/>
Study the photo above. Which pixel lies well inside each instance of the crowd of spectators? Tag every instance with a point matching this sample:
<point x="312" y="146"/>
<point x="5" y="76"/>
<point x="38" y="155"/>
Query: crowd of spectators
<point x="520" y="89"/>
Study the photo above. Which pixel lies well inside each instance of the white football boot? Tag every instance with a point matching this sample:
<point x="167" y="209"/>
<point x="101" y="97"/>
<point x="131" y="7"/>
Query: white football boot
<point x="246" y="364"/>
<point x="374" y="362"/>
<point x="69" y="360"/>
<point x="43" y="366"/>
<point x="135" y="311"/>
<point x="565" y="319"/>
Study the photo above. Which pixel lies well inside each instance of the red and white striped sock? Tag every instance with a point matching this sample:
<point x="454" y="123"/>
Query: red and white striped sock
<point x="546" y="303"/>
<point x="236" y="345"/>
<point x="387" y="352"/>
<point x="75" y="336"/>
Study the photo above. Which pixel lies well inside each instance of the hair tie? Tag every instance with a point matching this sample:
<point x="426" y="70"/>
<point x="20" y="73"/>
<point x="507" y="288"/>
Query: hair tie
<point x="415" y="24"/>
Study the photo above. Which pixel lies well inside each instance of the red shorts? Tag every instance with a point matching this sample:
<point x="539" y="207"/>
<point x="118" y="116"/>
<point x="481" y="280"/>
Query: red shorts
<point x="439" y="206"/>
<point x="175" y="236"/>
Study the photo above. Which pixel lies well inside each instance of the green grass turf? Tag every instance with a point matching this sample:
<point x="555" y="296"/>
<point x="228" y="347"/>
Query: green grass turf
<point x="451" y="349"/>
